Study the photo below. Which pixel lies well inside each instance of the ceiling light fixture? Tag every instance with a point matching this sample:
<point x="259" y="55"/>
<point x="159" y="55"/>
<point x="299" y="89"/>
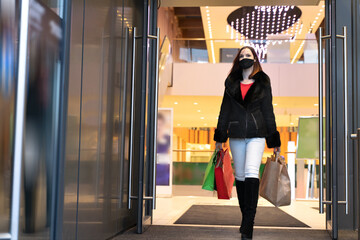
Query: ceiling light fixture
<point x="213" y="51"/>
<point x="210" y="33"/>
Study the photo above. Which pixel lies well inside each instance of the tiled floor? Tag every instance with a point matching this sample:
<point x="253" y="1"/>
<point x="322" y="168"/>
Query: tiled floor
<point x="169" y="209"/>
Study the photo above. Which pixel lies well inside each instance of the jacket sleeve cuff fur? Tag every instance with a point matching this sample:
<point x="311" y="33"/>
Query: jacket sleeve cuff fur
<point x="273" y="140"/>
<point x="220" y="136"/>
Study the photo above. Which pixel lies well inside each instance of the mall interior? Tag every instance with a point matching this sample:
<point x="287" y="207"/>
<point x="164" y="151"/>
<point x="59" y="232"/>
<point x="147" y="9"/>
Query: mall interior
<point x="108" y="111"/>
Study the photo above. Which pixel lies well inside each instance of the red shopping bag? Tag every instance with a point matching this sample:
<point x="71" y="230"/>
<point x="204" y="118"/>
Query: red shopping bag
<point x="224" y="177"/>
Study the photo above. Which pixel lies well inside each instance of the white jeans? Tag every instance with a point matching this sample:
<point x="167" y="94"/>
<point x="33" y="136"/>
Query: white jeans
<point x="247" y="154"/>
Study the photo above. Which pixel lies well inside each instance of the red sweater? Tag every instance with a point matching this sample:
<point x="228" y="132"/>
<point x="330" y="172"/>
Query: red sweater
<point x="244" y="89"/>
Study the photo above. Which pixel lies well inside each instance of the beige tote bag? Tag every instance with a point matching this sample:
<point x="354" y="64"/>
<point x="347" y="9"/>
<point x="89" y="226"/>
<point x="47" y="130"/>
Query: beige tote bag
<point x="275" y="182"/>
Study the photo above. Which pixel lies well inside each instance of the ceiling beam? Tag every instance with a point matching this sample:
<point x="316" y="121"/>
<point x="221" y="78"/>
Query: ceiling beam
<point x="202" y="3"/>
<point x="187" y="11"/>
<point x="192" y="33"/>
<point x="190" y="22"/>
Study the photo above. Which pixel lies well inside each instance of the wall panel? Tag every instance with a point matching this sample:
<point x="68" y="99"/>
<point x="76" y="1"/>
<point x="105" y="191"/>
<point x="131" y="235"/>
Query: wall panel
<point x="73" y="123"/>
<point x="97" y="155"/>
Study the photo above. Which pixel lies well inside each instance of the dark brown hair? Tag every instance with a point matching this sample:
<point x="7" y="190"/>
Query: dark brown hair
<point x="236" y="70"/>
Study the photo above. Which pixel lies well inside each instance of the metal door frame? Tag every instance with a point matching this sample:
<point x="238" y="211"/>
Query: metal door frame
<point x="58" y="206"/>
<point x="339" y="100"/>
<point x="146" y="117"/>
<point x="149" y="80"/>
<point x="331" y="120"/>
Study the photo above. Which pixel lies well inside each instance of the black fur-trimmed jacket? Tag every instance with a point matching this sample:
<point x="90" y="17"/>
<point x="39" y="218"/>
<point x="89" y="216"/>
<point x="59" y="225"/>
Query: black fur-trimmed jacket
<point x="248" y="118"/>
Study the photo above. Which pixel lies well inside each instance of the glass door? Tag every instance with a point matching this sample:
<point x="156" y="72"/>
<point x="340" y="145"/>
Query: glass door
<point x="335" y="87"/>
<point x="32" y="117"/>
<point x="146" y="92"/>
<point x="8" y="53"/>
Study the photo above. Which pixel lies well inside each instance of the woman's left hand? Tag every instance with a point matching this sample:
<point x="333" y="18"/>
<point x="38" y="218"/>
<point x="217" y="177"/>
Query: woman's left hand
<point x="277" y="149"/>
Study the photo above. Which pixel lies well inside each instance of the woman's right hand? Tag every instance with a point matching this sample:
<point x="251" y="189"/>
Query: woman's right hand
<point x="218" y="146"/>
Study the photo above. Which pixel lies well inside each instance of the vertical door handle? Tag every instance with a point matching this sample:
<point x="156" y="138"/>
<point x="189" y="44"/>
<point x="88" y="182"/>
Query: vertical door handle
<point x="132" y="110"/>
<point x="123" y="116"/>
<point x="154" y="153"/>
<point x="344" y="37"/>
<point x="130" y="196"/>
<point x="321" y="159"/>
<point x="156" y="116"/>
<point x="321" y="125"/>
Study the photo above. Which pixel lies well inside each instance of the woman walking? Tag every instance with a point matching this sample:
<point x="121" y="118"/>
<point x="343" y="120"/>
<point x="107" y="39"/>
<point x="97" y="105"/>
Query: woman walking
<point x="247" y="119"/>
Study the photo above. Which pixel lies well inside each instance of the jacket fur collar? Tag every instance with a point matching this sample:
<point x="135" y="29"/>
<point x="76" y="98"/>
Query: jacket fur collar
<point x="232" y="86"/>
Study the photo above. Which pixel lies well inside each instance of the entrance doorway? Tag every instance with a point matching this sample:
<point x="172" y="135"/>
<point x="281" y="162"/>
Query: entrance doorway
<point x="331" y="181"/>
<point x="288" y="54"/>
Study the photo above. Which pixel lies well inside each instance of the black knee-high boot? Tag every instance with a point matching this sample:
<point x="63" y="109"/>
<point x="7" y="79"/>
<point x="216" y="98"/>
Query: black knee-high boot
<point x="240" y="195"/>
<point x="251" y="195"/>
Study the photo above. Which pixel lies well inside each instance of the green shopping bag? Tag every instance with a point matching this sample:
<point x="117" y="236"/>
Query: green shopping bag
<point x="209" y="178"/>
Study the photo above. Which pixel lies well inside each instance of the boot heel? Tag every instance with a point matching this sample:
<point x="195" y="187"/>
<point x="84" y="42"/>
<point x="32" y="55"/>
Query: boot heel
<point x="245" y="237"/>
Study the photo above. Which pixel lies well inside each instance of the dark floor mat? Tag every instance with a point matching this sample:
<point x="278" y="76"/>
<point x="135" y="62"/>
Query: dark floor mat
<point x="230" y="215"/>
<point x="217" y="233"/>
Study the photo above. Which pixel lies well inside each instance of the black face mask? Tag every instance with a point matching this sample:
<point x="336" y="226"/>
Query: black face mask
<point x="246" y="63"/>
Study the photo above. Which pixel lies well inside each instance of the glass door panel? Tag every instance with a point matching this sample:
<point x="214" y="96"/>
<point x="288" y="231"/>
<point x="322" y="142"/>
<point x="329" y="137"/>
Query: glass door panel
<point x="149" y="80"/>
<point x="29" y="129"/>
<point x="8" y="56"/>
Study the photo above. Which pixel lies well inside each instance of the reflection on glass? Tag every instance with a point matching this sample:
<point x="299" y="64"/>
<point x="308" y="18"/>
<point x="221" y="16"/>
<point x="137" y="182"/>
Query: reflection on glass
<point x="7" y="100"/>
<point x="41" y="119"/>
<point x="164" y="127"/>
<point x="194" y="55"/>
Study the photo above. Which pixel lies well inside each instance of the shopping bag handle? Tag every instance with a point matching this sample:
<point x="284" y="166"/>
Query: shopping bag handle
<point x="220" y="155"/>
<point x="277" y="158"/>
<point x="216" y="152"/>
